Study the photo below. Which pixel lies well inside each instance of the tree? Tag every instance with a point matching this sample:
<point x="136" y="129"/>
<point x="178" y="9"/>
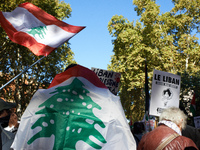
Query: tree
<point x="167" y="41"/>
<point x="69" y="109"/>
<point x="15" y="58"/>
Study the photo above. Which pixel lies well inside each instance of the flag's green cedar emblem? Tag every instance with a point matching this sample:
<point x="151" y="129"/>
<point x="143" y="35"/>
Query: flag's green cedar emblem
<point x="40" y="31"/>
<point x="69" y="116"/>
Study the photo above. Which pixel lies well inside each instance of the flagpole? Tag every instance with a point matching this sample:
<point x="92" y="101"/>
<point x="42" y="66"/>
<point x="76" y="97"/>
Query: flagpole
<point x="146" y="88"/>
<point x="21" y="73"/>
<point x="146" y="93"/>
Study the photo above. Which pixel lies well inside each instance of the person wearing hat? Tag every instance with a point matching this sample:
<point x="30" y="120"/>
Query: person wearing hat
<point x="8" y="120"/>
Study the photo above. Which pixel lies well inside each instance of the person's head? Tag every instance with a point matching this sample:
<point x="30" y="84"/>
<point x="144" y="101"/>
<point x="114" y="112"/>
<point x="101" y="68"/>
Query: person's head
<point x="5" y="108"/>
<point x="174" y="115"/>
<point x="138" y="128"/>
<point x="5" y="112"/>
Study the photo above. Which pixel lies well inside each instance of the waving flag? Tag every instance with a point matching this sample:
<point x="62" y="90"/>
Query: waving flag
<point x="32" y="27"/>
<point x="77" y="111"/>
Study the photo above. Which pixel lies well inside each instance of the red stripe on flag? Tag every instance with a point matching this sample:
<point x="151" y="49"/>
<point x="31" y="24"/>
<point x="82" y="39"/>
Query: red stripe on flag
<point x="10" y="30"/>
<point x="78" y="71"/>
<point x="193" y="100"/>
<point x="49" y="19"/>
<point x="24" y="39"/>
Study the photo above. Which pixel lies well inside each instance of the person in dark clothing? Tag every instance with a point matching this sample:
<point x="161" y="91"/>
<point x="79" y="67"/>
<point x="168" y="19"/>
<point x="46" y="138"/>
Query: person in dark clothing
<point x="6" y="117"/>
<point x="138" y="131"/>
<point x="192" y="133"/>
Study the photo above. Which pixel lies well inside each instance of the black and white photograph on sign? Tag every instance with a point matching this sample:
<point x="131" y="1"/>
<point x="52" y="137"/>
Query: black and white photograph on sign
<point x="197" y="122"/>
<point x="165" y="92"/>
<point x="109" y="78"/>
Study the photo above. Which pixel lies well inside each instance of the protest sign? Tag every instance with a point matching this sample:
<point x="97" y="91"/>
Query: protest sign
<point x="165" y="91"/>
<point x="109" y="78"/>
<point x="197" y="122"/>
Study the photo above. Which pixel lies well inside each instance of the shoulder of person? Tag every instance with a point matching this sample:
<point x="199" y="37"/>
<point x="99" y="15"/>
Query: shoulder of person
<point x="187" y="142"/>
<point x="7" y="139"/>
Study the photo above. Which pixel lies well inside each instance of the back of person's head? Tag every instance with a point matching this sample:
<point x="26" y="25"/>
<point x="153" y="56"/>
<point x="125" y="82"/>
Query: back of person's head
<point x="70" y="66"/>
<point x="138" y="128"/>
<point x="174" y="115"/>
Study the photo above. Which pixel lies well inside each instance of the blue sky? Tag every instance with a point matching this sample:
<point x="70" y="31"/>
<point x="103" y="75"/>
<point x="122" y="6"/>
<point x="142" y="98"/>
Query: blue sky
<point x="93" y="46"/>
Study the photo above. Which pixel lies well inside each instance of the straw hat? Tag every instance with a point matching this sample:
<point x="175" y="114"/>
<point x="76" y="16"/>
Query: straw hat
<point x="6" y="105"/>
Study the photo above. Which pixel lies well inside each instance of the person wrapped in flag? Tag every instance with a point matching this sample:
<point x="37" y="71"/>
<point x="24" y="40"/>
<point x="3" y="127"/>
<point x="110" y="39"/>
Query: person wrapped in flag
<point x="77" y="111"/>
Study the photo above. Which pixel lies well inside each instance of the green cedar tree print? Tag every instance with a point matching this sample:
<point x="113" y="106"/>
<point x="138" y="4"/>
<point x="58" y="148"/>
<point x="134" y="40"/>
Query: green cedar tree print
<point x="69" y="116"/>
<point x="40" y="31"/>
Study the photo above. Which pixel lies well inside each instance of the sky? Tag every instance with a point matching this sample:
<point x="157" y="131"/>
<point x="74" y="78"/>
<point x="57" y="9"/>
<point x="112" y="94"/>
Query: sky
<point x="92" y="46"/>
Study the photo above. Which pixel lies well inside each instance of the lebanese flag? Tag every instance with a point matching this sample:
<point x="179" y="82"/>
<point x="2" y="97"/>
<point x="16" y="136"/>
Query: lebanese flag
<point x="32" y="27"/>
<point x="77" y="111"/>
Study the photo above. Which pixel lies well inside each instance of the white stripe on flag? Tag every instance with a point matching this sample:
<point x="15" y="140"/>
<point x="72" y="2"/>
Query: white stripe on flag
<point x="23" y="20"/>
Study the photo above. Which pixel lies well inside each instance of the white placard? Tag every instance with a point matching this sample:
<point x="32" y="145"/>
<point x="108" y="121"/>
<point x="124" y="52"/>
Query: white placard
<point x="165" y="91"/>
<point x="109" y="78"/>
<point x="197" y="122"/>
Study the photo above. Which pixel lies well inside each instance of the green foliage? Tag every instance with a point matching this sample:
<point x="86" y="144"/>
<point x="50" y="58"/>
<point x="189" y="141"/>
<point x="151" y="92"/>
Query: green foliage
<point x="190" y="83"/>
<point x="15" y="58"/>
<point x="167" y="41"/>
<point x="69" y="117"/>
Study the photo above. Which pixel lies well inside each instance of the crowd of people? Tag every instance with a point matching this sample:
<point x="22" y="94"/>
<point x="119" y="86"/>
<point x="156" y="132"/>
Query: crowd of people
<point x="171" y="132"/>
